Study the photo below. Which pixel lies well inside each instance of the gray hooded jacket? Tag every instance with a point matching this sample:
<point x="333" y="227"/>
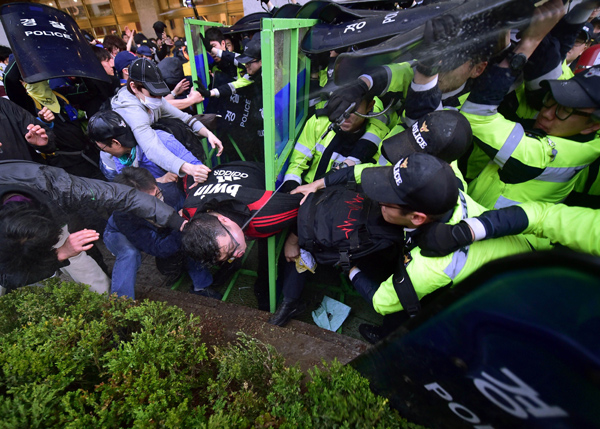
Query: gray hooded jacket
<point x="137" y="117"/>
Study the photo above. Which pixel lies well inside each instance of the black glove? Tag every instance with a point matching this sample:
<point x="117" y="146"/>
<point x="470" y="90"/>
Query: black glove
<point x="206" y="43"/>
<point x="202" y="89"/>
<point x="342" y="98"/>
<point x="436" y="43"/>
<point x="441" y="239"/>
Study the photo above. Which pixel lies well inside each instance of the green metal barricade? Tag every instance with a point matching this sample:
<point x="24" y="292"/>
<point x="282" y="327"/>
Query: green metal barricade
<point x="286" y="77"/>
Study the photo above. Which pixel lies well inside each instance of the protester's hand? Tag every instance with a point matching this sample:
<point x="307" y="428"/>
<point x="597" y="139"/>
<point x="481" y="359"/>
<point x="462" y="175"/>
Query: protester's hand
<point x="36" y="135"/>
<point x="198" y="172"/>
<point x="181" y="87"/>
<point x="76" y="243"/>
<point x="215" y="142"/>
<point x="168" y="41"/>
<point x="206" y="43"/>
<point x="291" y="249"/>
<point x="308" y="189"/>
<point x="202" y="89"/>
<point x="195" y="96"/>
<point x="169" y="177"/>
<point x="46" y="115"/>
<point x="440" y="239"/>
<point x="342" y="98"/>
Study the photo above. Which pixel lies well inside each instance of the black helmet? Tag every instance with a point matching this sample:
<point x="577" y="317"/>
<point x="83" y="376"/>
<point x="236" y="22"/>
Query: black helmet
<point x="108" y="124"/>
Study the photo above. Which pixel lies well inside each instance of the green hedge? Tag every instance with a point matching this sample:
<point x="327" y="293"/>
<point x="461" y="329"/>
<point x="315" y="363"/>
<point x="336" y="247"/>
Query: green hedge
<point x="73" y="358"/>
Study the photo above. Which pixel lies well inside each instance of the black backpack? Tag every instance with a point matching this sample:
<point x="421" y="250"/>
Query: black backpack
<point x="338" y="226"/>
<point x="186" y="136"/>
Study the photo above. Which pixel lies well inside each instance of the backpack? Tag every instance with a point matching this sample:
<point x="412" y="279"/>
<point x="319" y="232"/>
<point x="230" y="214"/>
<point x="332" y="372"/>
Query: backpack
<point x="339" y="225"/>
<point x="184" y="134"/>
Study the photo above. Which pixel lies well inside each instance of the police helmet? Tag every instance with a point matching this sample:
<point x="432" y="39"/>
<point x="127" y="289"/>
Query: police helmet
<point x="108" y="124"/>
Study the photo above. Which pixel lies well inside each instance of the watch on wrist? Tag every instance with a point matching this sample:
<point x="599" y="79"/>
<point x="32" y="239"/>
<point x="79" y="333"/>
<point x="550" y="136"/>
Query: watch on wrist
<point x="516" y="62"/>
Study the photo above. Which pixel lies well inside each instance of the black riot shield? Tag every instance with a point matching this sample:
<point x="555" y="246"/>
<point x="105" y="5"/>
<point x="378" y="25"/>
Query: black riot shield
<point x="481" y="20"/>
<point x="47" y="43"/>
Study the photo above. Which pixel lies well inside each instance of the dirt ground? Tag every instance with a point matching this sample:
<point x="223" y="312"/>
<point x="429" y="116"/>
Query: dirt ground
<point x="299" y="342"/>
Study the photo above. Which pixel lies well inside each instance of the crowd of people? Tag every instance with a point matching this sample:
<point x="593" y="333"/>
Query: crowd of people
<point x="492" y="150"/>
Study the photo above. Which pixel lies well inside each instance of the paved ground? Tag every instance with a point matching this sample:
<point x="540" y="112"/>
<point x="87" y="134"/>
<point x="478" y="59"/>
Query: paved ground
<point x="301" y="341"/>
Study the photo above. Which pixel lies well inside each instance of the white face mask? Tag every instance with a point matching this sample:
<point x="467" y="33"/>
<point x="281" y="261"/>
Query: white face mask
<point x="152" y="103"/>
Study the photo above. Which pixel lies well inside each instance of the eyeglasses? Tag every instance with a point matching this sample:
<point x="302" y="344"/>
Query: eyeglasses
<point x="562" y="113"/>
<point x="99" y="144"/>
<point x="158" y="193"/>
<point x="231" y="254"/>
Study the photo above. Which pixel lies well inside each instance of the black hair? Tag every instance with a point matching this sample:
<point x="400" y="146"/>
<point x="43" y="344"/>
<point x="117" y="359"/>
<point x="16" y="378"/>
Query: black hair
<point x="112" y="41"/>
<point x="199" y="238"/>
<point x="101" y="53"/>
<point x="138" y="85"/>
<point x="214" y="34"/>
<point x="138" y="178"/>
<point x="106" y="125"/>
<point x="27" y="237"/>
<point x="4" y="53"/>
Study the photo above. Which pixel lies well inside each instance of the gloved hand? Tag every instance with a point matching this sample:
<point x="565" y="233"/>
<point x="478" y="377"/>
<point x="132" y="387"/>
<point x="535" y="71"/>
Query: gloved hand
<point x="202" y="89"/>
<point x="342" y="98"/>
<point x="441" y="239"/>
<point x="206" y="44"/>
<point x="438" y="33"/>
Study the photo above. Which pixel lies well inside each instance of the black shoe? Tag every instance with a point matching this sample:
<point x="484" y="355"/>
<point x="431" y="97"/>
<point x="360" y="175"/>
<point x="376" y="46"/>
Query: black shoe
<point x="286" y="311"/>
<point x="209" y="293"/>
<point x="371" y="333"/>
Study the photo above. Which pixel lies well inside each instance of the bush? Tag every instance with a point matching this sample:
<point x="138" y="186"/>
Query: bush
<point x="72" y="358"/>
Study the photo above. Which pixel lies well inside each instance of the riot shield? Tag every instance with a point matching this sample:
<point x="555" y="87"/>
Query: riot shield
<point x="47" y="43"/>
<point x="516" y="345"/>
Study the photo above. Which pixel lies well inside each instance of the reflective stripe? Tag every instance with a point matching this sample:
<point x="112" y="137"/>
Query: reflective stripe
<point x="555" y="73"/>
<point x="509" y="145"/>
<point x="293" y="177"/>
<point x="479" y="109"/>
<point x="382" y="160"/>
<point x="303" y="150"/>
<point x="503" y="202"/>
<point x="559" y="174"/>
<point x="320" y="148"/>
<point x="459" y="258"/>
<point x="337" y="157"/>
<point x="372" y="138"/>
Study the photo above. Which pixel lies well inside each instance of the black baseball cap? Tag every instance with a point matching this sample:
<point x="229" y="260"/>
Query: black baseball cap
<point x="421" y="182"/>
<point x="108" y="124"/>
<point x="147" y="73"/>
<point x="445" y="134"/>
<point x="581" y="91"/>
<point x="159" y="28"/>
<point x="251" y="51"/>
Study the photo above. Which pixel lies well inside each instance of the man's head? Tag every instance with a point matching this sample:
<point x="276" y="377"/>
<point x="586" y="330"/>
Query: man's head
<point x="122" y="62"/>
<point x="212" y="238"/>
<point x="145" y="80"/>
<point x="27" y="238"/>
<point x="584" y="40"/>
<point x="4" y="54"/>
<point x="216" y="40"/>
<point x="140" y="179"/>
<point x="445" y="134"/>
<point x="111" y="133"/>
<point x="354" y="122"/>
<point x="105" y="59"/>
<point x="571" y="106"/>
<point x="114" y="44"/>
<point x="251" y="58"/>
<point x="144" y="51"/>
<point x="418" y="189"/>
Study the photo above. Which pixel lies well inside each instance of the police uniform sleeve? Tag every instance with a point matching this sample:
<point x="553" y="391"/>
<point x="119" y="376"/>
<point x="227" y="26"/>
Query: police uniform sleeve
<point x="577" y="228"/>
<point x="426" y="274"/>
<point x="305" y="147"/>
